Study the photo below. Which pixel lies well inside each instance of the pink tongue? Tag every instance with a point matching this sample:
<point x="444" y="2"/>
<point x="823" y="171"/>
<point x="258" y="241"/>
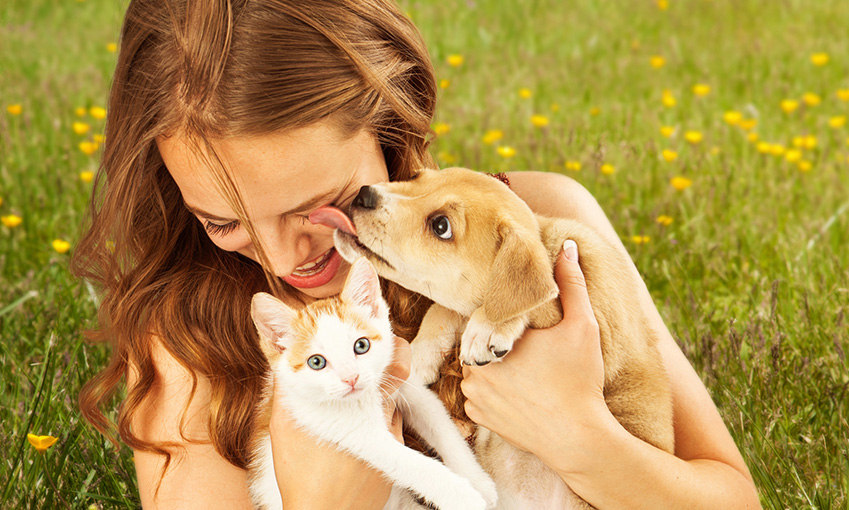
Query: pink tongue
<point x="333" y="217"/>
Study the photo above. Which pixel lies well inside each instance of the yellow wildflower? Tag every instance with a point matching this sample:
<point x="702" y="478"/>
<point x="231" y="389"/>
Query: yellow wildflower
<point x="574" y="166"/>
<point x="680" y="183"/>
<point x="539" y="120"/>
<point x="663" y="4"/>
<point x="777" y="149"/>
<point x="88" y="148"/>
<point x="492" y="136"/>
<point x="41" y="443"/>
<point x="693" y="137"/>
<point x="819" y="59"/>
<point x="80" y="111"/>
<point x="809" y="142"/>
<point x="595" y="111"/>
<point x="112" y="47"/>
<point x="668" y="99"/>
<point x="748" y="124"/>
<point x="98" y="138"/>
<point x="555" y="107"/>
<point x="525" y="93"/>
<point x="441" y="128"/>
<point x="454" y="60"/>
<point x="669" y="155"/>
<point x="657" y="61"/>
<point x="732" y="117"/>
<point x="811" y="99"/>
<point x="837" y="122"/>
<point x="14" y="109"/>
<point x="664" y="220"/>
<point x="715" y="150"/>
<point x="640" y="239"/>
<point x="608" y="169"/>
<point x="753" y="137"/>
<point x="789" y="105"/>
<point x="447" y="157"/>
<point x="843" y="94"/>
<point x="701" y="89"/>
<point x="61" y="246"/>
<point x="97" y="112"/>
<point x="764" y="147"/>
<point x="444" y="83"/>
<point x="793" y="155"/>
<point x="667" y="131"/>
<point x="506" y="151"/>
<point x="86" y="176"/>
<point x="804" y="166"/>
<point x="80" y="128"/>
<point x="11" y="220"/>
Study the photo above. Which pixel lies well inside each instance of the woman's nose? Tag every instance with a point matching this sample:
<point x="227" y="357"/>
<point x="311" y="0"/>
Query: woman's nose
<point x="287" y="247"/>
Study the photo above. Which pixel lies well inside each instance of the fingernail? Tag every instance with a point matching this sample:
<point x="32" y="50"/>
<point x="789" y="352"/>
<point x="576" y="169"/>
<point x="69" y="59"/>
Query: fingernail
<point x="570" y="248"/>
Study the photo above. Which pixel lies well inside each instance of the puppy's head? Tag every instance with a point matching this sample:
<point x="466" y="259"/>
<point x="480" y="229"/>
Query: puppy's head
<point x="459" y="237"/>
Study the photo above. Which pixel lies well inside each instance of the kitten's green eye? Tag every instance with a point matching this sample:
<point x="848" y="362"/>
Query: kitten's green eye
<point x="362" y="345"/>
<point x="317" y="362"/>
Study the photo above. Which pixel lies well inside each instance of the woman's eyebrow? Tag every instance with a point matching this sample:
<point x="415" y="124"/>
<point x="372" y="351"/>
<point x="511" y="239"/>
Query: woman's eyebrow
<point x="311" y="203"/>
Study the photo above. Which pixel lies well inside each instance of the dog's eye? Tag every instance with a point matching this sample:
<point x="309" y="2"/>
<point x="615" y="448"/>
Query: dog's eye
<point x="441" y="227"/>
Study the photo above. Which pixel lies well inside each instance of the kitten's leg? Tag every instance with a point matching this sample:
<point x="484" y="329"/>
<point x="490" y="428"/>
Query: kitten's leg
<point x="438" y="333"/>
<point x="425" y="413"/>
<point x="410" y="469"/>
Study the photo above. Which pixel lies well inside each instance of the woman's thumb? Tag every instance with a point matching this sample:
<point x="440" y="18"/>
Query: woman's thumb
<point x="570" y="280"/>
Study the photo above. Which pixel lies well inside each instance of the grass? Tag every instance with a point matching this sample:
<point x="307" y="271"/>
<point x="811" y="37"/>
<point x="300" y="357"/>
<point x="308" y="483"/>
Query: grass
<point x="751" y="276"/>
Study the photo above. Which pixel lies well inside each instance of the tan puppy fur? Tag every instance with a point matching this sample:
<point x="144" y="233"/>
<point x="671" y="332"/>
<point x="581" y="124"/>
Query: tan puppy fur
<point x="467" y="242"/>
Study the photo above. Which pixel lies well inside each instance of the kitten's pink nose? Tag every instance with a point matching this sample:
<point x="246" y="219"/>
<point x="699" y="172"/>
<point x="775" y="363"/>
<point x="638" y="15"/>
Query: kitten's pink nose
<point x="351" y="381"/>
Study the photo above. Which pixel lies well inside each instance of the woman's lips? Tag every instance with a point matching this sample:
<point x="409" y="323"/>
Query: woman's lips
<point x="317" y="272"/>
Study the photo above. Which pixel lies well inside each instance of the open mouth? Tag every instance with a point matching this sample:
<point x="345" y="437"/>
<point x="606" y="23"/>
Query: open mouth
<point x="316" y="272"/>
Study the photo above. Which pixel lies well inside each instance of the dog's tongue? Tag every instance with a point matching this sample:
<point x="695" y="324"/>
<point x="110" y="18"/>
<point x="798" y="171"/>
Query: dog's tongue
<point x="333" y="217"/>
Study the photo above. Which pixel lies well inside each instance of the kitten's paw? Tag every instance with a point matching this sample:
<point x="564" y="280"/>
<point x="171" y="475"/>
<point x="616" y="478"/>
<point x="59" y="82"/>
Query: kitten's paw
<point x="426" y="362"/>
<point x="484" y="342"/>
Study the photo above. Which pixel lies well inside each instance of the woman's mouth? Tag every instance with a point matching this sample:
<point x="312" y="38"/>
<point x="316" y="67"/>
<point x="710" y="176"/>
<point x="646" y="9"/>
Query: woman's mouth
<point x="316" y="272"/>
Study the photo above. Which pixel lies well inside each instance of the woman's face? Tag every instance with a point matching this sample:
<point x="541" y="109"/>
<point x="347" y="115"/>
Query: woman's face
<point x="281" y="178"/>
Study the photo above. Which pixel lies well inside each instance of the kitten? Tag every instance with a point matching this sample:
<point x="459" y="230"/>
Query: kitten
<point x="331" y="358"/>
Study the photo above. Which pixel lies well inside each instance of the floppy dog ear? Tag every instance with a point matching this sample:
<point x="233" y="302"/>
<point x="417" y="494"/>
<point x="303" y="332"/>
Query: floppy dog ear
<point x="521" y="277"/>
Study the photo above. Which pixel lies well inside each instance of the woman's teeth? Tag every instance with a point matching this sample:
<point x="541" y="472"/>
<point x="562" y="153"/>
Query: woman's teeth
<point x="311" y="268"/>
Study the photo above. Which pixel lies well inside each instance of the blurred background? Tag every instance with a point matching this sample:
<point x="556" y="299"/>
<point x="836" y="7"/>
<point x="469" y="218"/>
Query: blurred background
<point x="713" y="133"/>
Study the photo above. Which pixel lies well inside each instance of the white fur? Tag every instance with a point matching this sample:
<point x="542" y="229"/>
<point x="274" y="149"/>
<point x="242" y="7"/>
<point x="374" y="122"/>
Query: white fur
<point x="325" y="406"/>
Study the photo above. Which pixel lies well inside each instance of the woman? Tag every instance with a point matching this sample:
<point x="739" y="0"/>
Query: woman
<point x="230" y="122"/>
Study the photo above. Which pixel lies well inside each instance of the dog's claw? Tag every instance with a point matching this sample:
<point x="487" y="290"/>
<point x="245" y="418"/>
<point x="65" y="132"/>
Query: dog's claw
<point x="500" y="354"/>
<point x="482" y="363"/>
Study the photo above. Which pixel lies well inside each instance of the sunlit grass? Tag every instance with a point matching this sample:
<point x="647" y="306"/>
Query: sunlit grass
<point x="713" y="133"/>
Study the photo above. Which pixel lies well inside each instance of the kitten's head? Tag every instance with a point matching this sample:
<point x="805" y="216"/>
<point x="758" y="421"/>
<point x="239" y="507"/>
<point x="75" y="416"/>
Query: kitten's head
<point x="334" y="348"/>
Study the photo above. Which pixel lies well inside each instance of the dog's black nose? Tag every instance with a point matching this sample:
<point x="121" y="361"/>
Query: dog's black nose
<point x="366" y="198"/>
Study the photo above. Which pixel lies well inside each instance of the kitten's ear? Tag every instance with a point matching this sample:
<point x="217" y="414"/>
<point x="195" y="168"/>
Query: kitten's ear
<point x="273" y="320"/>
<point x="362" y="288"/>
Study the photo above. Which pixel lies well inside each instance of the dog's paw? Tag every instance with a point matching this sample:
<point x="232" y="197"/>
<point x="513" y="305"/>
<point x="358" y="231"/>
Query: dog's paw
<point x="484" y="342"/>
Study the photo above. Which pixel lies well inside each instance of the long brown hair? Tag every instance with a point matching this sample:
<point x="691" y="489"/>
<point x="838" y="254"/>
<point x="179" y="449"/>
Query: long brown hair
<point x="218" y="68"/>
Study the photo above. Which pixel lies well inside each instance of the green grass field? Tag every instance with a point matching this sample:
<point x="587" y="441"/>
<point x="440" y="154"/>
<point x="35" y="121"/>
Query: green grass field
<point x="724" y="166"/>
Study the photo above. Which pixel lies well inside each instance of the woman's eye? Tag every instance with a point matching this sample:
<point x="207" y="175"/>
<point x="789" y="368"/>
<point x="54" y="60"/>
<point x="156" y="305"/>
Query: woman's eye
<point x="317" y="362"/>
<point x="220" y="230"/>
<point x="362" y="345"/>
<point x="441" y="227"/>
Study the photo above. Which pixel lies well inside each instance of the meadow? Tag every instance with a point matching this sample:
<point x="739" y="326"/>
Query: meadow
<point x="713" y="133"/>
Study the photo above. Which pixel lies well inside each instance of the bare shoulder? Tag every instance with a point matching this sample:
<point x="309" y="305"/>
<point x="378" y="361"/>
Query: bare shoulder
<point x="176" y="413"/>
<point x="559" y="196"/>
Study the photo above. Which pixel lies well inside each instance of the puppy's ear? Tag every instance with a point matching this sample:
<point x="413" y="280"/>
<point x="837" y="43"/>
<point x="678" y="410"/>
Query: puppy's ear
<point x="521" y="278"/>
<point x="273" y="320"/>
<point x="362" y="288"/>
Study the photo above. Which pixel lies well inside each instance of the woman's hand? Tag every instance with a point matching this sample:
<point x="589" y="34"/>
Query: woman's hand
<point x="314" y="475"/>
<point x="551" y="382"/>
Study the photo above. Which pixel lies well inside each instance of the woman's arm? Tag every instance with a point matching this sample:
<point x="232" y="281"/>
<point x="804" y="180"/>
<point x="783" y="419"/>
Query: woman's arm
<point x="597" y="457"/>
<point x="311" y="475"/>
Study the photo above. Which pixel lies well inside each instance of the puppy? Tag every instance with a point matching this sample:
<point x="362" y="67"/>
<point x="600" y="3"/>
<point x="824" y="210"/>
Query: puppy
<point x="467" y="242"/>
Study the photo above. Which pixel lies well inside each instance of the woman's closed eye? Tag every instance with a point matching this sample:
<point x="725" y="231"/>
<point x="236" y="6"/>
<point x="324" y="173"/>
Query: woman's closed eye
<point x="214" y="229"/>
